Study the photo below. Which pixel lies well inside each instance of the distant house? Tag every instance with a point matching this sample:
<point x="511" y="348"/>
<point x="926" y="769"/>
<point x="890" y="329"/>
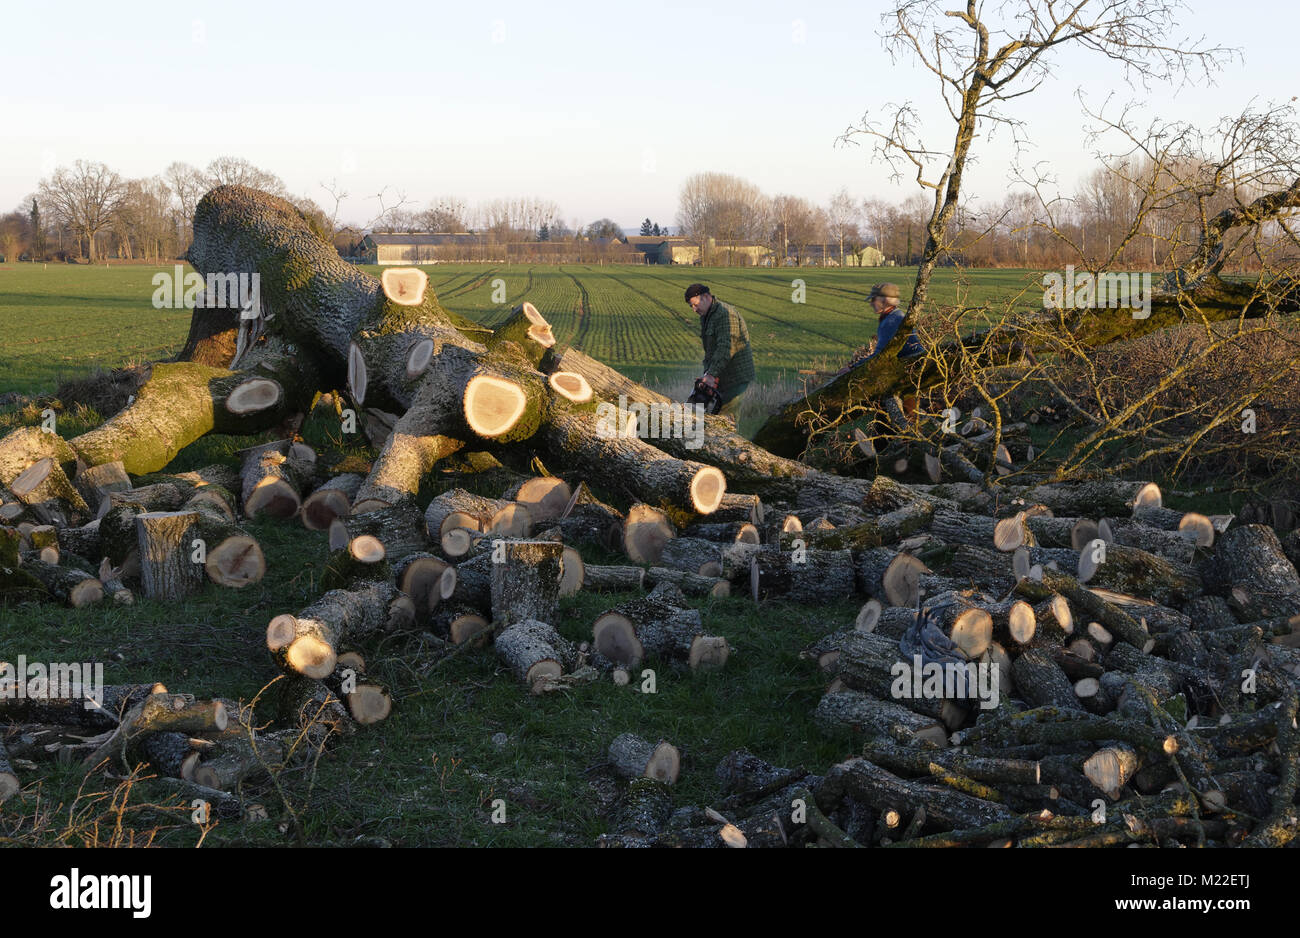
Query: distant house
<point x="417" y="247"/>
<point x="664" y="249"/>
<point x="740" y="253"/>
<point x="867" y="257"/>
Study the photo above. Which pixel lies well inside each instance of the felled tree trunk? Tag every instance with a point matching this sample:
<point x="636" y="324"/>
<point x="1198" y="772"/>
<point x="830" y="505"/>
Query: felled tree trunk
<point x="786" y="432"/>
<point x="597" y="448"/>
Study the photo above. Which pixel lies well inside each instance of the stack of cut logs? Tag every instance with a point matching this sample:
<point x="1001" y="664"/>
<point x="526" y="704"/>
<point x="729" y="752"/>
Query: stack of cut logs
<point x="1147" y="663"/>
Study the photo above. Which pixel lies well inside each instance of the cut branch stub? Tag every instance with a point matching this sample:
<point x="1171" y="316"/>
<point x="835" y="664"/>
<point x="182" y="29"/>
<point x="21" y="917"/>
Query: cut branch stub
<point x="572" y="386"/>
<point x="405" y="286"/>
<point x="254" y="395"/>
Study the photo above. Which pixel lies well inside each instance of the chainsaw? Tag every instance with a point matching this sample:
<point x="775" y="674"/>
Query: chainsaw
<point x="703" y="394"/>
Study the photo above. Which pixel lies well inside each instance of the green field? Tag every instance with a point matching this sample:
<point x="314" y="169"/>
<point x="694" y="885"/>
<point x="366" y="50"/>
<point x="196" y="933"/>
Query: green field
<point x="58" y="320"/>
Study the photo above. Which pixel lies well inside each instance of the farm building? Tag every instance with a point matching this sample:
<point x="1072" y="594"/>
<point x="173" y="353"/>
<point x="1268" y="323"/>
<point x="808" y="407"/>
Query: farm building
<point x="740" y="253"/>
<point x="661" y="249"/>
<point x="418" y="247"/>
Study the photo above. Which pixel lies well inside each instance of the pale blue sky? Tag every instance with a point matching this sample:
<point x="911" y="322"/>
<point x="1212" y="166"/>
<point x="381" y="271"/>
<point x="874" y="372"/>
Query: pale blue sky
<point x="604" y="108"/>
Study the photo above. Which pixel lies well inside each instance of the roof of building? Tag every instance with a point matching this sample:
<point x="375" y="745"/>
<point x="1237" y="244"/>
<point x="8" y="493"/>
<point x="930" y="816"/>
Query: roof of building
<point x="421" y="237"/>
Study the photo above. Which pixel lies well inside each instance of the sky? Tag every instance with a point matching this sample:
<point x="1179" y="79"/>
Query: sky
<point x="604" y="108"/>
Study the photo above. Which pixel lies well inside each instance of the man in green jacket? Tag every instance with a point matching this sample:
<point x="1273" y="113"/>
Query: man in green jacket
<point x="728" y="361"/>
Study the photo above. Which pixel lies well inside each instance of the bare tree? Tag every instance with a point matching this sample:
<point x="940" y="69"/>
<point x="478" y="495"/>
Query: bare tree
<point x="14" y="234"/>
<point x="842" y="219"/>
<point x="84" y="198"/>
<point x="797" y="224"/>
<point x="445" y="213"/>
<point x="984" y="58"/>
<point x="722" y="207"/>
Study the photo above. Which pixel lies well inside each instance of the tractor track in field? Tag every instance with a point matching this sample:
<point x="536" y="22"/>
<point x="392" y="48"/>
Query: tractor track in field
<point x="584" y="314"/>
<point x="782" y="322"/>
<point x="838" y="312"/>
<point x="473" y="281"/>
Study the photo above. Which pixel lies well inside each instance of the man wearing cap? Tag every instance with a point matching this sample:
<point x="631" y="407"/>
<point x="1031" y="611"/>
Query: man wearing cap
<point x="728" y="361"/>
<point x="884" y="300"/>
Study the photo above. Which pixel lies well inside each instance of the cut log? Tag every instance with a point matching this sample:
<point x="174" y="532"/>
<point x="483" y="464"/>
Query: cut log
<point x="45" y="483"/>
<point x="525" y="581"/>
<point x="658" y="624"/>
<point x="1042" y="682"/>
<point x="171" y="754"/>
<point x="233" y="558"/>
<point x="465" y="625"/>
<point x="96" y="482"/>
<point x="421" y="577"/>
<point x="647" y="534"/>
<point x="1111" y="768"/>
<point x="69" y="585"/>
<point x="727" y="532"/>
<point x="268" y="482"/>
<point x="632" y="757"/>
<point x="329" y="501"/>
<point x="399" y="528"/>
<point x="360" y="558"/>
<point x="944" y="807"/>
<point x="802" y="576"/>
<point x="533" y="650"/>
<point x="308" y="643"/>
<point x="1251" y="569"/>
<point x="607" y="579"/>
<point x="863" y="713"/>
<point x="545" y="497"/>
<point x="573" y="572"/>
<point x="582" y="441"/>
<point x="692" y="584"/>
<point x="456" y="514"/>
